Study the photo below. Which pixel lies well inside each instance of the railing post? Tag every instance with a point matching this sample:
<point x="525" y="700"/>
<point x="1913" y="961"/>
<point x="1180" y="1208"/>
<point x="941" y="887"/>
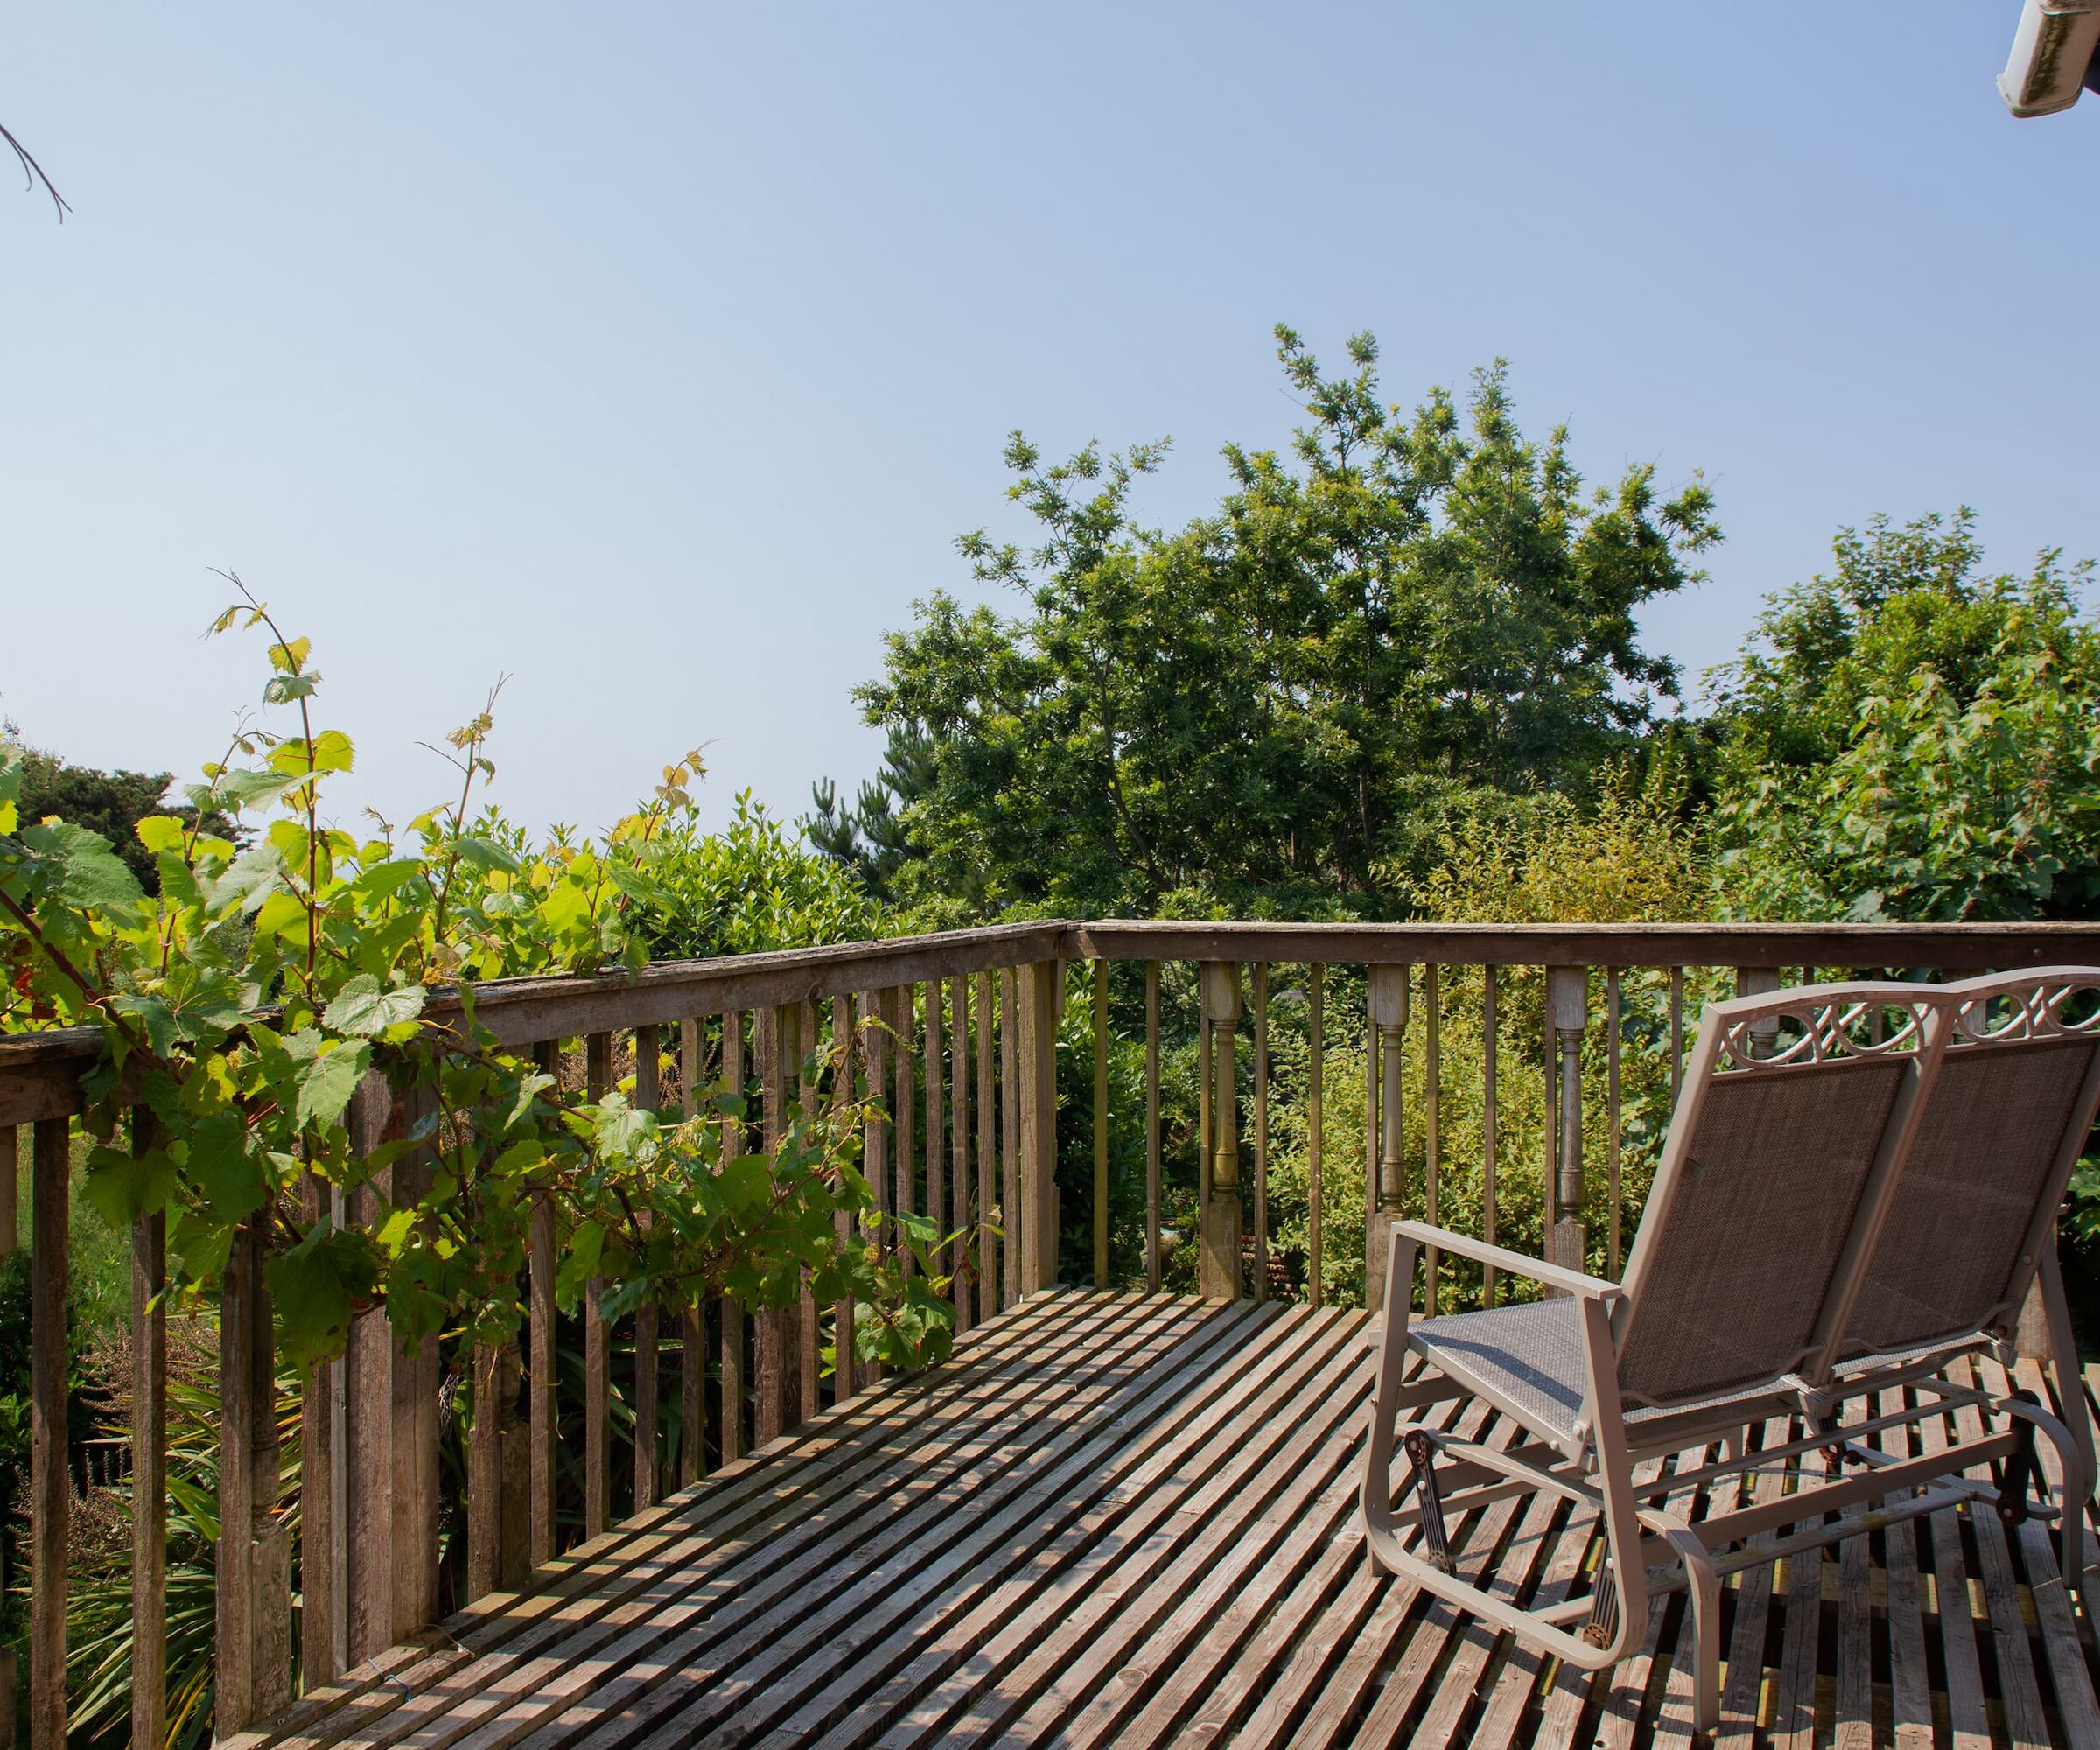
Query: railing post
<point x="598" y="1338"/>
<point x="1567" y="1004"/>
<point x="1219" y="1272"/>
<point x="779" y="1396"/>
<point x="731" y="1311"/>
<point x="542" y="1434"/>
<point x="649" y="1095"/>
<point x="1010" y="1138"/>
<point x="1101" y="1124"/>
<point x="253" y="1566"/>
<point x="149" y="1475"/>
<point x="11" y="1216"/>
<point x="320" y="1490"/>
<point x="1039" y="1125"/>
<point x="50" y="1489"/>
<point x="1758" y="981"/>
<point x="1387" y="1001"/>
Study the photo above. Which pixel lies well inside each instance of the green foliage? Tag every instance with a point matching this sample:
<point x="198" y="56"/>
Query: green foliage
<point x="111" y="804"/>
<point x="255" y="992"/>
<point x="1915" y="740"/>
<point x="1253" y="711"/>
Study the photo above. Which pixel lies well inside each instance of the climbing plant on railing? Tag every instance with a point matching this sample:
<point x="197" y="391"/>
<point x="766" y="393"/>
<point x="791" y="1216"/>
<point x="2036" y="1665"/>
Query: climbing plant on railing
<point x="244" y="1005"/>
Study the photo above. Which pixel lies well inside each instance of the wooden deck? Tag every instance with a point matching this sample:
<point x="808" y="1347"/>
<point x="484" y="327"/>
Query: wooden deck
<point x="1131" y="1521"/>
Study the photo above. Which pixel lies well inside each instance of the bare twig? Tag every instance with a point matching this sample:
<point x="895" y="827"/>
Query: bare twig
<point x="33" y="173"/>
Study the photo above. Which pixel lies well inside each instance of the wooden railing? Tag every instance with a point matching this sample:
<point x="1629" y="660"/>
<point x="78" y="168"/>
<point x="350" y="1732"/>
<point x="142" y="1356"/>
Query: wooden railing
<point x="966" y="1063"/>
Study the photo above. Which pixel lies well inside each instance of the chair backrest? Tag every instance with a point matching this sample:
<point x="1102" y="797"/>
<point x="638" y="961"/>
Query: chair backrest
<point x="2006" y="1116"/>
<point x="1795" y="1111"/>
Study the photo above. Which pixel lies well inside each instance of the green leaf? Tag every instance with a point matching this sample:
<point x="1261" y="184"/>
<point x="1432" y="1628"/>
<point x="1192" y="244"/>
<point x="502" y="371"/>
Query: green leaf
<point x="363" y="1008"/>
<point x="486" y="854"/>
<point x="314" y="1291"/>
<point x="89" y="874"/>
<point x="161" y="833"/>
<point x="221" y="1165"/>
<point x="122" y="1188"/>
<point x="328" y="1083"/>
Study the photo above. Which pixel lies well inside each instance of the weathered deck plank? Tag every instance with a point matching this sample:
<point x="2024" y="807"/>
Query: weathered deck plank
<point x="1131" y="1520"/>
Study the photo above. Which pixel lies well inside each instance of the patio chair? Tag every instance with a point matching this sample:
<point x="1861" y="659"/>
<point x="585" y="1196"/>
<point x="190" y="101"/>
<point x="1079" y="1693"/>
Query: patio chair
<point x="1858" y="1188"/>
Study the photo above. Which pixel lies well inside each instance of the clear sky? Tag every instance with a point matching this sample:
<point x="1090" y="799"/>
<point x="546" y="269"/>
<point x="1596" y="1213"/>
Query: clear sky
<point x="655" y="354"/>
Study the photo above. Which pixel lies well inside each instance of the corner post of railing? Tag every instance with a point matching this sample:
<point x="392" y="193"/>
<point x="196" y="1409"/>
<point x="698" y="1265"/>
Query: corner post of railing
<point x="1567" y="1004"/>
<point x="1387" y="997"/>
<point x="1039" y="994"/>
<point x="1219" y="1274"/>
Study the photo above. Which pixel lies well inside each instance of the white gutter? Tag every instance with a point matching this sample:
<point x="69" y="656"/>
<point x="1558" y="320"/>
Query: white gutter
<point x="2052" y="54"/>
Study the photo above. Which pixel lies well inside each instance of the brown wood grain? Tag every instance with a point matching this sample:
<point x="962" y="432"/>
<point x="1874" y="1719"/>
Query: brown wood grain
<point x="50" y="1488"/>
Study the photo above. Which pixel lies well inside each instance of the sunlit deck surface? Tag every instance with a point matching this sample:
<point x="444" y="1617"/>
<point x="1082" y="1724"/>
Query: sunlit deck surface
<point x="1131" y="1521"/>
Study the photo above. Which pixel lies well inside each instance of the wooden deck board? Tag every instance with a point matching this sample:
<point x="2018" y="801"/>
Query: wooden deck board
<point x="1131" y="1520"/>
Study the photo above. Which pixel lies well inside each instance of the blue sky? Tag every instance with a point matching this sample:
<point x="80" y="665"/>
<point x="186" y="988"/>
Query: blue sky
<point x="655" y="354"/>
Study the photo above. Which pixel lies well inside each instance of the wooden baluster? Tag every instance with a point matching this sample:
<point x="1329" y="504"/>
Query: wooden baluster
<point x="649" y="1095"/>
<point x="1432" y="1142"/>
<point x="1490" y="1045"/>
<point x="731" y="1312"/>
<point x="845" y="1363"/>
<point x="988" y="1262"/>
<point x="320" y="1490"/>
<point x="1011" y="1214"/>
<point x="1612" y="1003"/>
<point x="777" y="1397"/>
<point x="960" y="1261"/>
<point x="1261" y="1130"/>
<point x="253" y="1569"/>
<point x="936" y="1124"/>
<point x="598" y="1341"/>
<point x="411" y="1425"/>
<point x="1220" y="1258"/>
<point x="1677" y="1034"/>
<point x="809" y="1334"/>
<point x="484" y="1473"/>
<point x="1101" y="1124"/>
<point x="1567" y="996"/>
<point x="50" y="1489"/>
<point x="873" y="1035"/>
<point x="11" y="1211"/>
<point x="1388" y="1002"/>
<point x="1549" y="1172"/>
<point x="692" y="1325"/>
<point x="1038" y="983"/>
<point x="544" y="1424"/>
<point x="903" y="1108"/>
<point x="1151" y="1125"/>
<point x="149" y="1485"/>
<point x="1316" y="998"/>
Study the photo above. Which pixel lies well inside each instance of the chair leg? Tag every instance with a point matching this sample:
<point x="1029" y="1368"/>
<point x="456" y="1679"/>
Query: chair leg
<point x="1705" y="1587"/>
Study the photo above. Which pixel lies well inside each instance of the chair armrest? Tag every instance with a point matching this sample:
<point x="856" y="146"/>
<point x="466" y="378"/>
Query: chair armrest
<point x="1509" y="1262"/>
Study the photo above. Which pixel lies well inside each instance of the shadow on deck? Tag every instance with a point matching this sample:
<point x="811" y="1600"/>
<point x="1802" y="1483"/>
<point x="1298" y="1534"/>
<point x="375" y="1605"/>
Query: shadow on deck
<point x="1131" y="1521"/>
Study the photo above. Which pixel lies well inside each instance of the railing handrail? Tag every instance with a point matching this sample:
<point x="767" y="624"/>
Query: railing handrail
<point x="1978" y="945"/>
<point x="40" y="1072"/>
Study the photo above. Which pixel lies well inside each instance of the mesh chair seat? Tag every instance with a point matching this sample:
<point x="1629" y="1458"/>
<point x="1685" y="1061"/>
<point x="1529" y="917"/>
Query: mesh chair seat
<point x="1529" y="1355"/>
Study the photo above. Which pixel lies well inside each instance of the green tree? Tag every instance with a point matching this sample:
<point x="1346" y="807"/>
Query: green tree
<point x="1910" y="738"/>
<point x="1262" y="710"/>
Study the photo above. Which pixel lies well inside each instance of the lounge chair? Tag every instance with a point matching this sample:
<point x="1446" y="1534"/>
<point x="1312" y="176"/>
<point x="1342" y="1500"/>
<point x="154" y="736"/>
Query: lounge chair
<point x="1858" y="1188"/>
